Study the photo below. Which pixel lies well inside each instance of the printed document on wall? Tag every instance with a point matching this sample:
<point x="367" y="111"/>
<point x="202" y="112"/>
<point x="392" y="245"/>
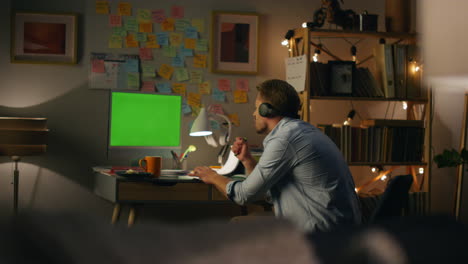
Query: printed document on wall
<point x="296" y="72"/>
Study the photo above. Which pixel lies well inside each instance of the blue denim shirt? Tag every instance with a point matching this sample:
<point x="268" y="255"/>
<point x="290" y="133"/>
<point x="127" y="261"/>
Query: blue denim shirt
<point x="306" y="175"/>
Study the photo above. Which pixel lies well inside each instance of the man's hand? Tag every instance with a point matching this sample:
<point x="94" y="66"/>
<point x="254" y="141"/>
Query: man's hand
<point x="241" y="148"/>
<point x="206" y="174"/>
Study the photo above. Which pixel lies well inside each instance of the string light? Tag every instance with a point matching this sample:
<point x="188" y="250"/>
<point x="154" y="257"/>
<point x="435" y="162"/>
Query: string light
<point x="405" y="105"/>
<point x="285" y="42"/>
<point x="353" y="53"/>
<point x="376" y="169"/>
<point x="315" y="58"/>
<point x="421" y="170"/>
<point x="304" y="24"/>
<point x="349" y="118"/>
<point x="289" y="34"/>
<point x="383" y="178"/>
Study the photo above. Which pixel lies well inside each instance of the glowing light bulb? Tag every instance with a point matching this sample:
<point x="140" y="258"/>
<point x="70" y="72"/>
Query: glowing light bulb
<point x="421" y="170"/>
<point x="285" y="42"/>
<point x="374" y="169"/>
<point x="355" y="189"/>
<point x="383" y="178"/>
<point x="304" y="25"/>
<point x="405" y="105"/>
<point x="315" y="57"/>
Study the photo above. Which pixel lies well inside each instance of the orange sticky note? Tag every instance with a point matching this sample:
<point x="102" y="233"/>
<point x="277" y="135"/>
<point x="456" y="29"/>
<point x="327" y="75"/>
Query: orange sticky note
<point x="199" y="61"/>
<point x="115" y="20"/>
<point x="166" y="71"/>
<point x="179" y="88"/>
<point x="204" y="87"/>
<point x="152" y="42"/>
<point x="125" y="9"/>
<point x="146" y="27"/>
<point x="190" y="43"/>
<point x="224" y="85"/>
<point x="242" y="84"/>
<point x="240" y="97"/>
<point x="130" y="41"/>
<point x="194" y="99"/>
<point x="234" y="119"/>
<point x="102" y="7"/>
<point x="168" y="24"/>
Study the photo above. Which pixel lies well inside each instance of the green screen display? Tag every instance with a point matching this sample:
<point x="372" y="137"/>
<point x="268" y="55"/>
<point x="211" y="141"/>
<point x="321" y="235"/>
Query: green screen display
<point x="144" y="120"/>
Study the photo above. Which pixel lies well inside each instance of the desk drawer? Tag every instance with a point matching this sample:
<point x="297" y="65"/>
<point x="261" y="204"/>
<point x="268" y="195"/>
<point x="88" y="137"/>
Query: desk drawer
<point x="145" y="191"/>
<point x="217" y="195"/>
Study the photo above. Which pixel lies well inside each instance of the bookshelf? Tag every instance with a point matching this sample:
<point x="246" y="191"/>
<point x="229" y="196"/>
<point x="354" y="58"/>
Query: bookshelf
<point x="304" y="42"/>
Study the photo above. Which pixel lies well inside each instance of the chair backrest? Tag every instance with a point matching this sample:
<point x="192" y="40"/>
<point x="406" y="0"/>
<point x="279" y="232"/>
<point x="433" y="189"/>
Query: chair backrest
<point x="394" y="199"/>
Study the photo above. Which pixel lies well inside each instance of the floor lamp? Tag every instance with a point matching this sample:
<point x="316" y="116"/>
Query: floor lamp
<point x="20" y="136"/>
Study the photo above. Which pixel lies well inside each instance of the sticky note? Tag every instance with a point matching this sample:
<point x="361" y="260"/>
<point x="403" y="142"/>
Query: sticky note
<point x="133" y="80"/>
<point x="131" y="24"/>
<point x="166" y="71"/>
<point x="201" y="45"/>
<point x="115" y="20"/>
<point x="191" y="32"/>
<point x="218" y="95"/>
<point x="151" y="42"/>
<point x="125" y="9"/>
<point x="199" y="61"/>
<point x="234" y="119"/>
<point x="240" y="97"/>
<point x="224" y="85"/>
<point x="98" y="66"/>
<point x="194" y="99"/>
<point x="158" y="16"/>
<point x="181" y="24"/>
<point x="204" y="87"/>
<point x="115" y="42"/>
<point x="181" y="74"/>
<point x="190" y="43"/>
<point x="146" y="27"/>
<point x="196" y="76"/>
<point x="216" y="109"/>
<point x="242" y="85"/>
<point x="141" y="37"/>
<point x="131" y="42"/>
<point x="102" y="7"/>
<point x="119" y="31"/>
<point x="186" y="109"/>
<point x="143" y="15"/>
<point x="162" y="38"/>
<point x="148" y="86"/>
<point x="195" y="111"/>
<point x="178" y="61"/>
<point x="175" y="39"/>
<point x="179" y="88"/>
<point x="168" y="24"/>
<point x="164" y="88"/>
<point x="148" y="70"/>
<point x="131" y="65"/>
<point x="199" y="24"/>
<point x="177" y="12"/>
<point x="169" y="51"/>
<point x="146" y="54"/>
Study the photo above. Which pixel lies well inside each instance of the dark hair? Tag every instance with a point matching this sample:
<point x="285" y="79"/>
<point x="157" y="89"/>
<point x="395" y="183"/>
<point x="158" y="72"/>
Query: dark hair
<point x="281" y="95"/>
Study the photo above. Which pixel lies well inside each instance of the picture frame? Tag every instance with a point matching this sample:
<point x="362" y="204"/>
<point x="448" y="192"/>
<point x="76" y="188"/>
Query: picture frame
<point x="461" y="189"/>
<point x="341" y="77"/>
<point x="44" y="38"/>
<point x="234" y="42"/>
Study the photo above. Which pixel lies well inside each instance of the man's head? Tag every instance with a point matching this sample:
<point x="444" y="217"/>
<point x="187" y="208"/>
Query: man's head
<point x="275" y="100"/>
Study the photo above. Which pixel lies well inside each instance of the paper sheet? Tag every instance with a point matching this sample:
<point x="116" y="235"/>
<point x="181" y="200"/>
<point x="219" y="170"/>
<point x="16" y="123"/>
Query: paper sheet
<point x="230" y="165"/>
<point x="296" y="72"/>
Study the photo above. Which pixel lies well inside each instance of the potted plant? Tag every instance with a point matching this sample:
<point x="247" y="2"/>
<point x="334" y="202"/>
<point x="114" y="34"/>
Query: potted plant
<point x="451" y="158"/>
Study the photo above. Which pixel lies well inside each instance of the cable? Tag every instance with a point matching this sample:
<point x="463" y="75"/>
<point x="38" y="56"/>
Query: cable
<point x="352" y="107"/>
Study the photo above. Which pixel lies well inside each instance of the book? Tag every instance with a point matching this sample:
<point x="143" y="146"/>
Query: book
<point x="413" y="88"/>
<point x="400" y="65"/>
<point x="383" y="54"/>
<point x="392" y="123"/>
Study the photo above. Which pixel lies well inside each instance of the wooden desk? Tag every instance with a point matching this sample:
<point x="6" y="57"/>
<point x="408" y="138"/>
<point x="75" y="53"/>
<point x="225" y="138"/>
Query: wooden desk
<point x="132" y="191"/>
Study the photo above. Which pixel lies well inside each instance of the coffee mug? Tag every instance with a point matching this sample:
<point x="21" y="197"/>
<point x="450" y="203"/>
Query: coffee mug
<point x="151" y="164"/>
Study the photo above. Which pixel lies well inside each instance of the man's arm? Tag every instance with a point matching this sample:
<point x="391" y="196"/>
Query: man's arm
<point x="209" y="176"/>
<point x="242" y="152"/>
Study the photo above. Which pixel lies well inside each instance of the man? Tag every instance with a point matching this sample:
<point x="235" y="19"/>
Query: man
<point x="301" y="168"/>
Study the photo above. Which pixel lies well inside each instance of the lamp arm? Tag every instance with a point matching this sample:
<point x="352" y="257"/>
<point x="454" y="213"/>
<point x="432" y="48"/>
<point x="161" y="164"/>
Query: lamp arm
<point x="228" y="138"/>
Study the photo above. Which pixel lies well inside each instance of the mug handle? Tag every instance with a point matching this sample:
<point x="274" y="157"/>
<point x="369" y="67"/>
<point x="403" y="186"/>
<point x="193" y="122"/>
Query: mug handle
<point x="141" y="165"/>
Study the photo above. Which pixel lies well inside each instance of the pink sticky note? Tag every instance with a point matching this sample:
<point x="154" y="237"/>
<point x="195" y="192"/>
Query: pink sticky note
<point x="242" y="85"/>
<point x="146" y="54"/>
<point x="177" y="12"/>
<point x="148" y="86"/>
<point x="158" y="15"/>
<point x="115" y="20"/>
<point x="216" y="109"/>
<point x="224" y="85"/>
<point x="98" y="66"/>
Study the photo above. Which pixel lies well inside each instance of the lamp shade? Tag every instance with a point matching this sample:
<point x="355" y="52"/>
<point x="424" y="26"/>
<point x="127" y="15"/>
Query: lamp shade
<point x="201" y="125"/>
<point x="21" y="136"/>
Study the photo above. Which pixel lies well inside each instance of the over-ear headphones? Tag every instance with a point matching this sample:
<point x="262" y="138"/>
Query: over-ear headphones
<point x="267" y="110"/>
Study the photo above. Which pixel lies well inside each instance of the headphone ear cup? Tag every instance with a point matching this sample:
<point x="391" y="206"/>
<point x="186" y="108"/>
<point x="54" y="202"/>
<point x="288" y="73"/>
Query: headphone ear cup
<point x="267" y="110"/>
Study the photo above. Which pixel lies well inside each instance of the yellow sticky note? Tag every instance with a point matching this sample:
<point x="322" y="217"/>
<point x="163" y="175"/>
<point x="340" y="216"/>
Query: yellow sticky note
<point x="194" y="99"/>
<point x="196" y="76"/>
<point x="168" y="24"/>
<point x="195" y="111"/>
<point x="190" y="43"/>
<point x="240" y="97"/>
<point x="125" y="9"/>
<point x="166" y="71"/>
<point x="199" y="24"/>
<point x="143" y="15"/>
<point x="146" y="27"/>
<point x="115" y="42"/>
<point x="204" y="87"/>
<point x="102" y="7"/>
<point x="199" y="61"/>
<point x="130" y="41"/>
<point x="175" y="39"/>
<point x="152" y="42"/>
<point x="179" y="88"/>
<point x="234" y="119"/>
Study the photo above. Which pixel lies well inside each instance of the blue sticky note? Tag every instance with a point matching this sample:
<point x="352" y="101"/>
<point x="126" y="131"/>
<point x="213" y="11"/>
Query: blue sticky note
<point x="131" y="65"/>
<point x="178" y="61"/>
<point x="186" y="109"/>
<point x="164" y="88"/>
<point x="218" y="95"/>
<point x="163" y="38"/>
<point x="191" y="32"/>
<point x="186" y="52"/>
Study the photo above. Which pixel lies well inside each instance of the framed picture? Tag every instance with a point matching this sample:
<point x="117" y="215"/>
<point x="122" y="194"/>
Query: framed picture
<point x="43" y="38"/>
<point x="341" y="77"/>
<point x="234" y="42"/>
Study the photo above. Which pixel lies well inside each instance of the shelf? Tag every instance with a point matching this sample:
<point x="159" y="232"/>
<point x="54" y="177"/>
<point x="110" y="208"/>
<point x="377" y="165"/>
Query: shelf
<point x="387" y="163"/>
<point x="325" y="33"/>
<point x="422" y="100"/>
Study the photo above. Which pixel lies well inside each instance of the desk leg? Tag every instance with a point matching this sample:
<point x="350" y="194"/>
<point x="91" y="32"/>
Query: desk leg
<point x="115" y="214"/>
<point x="131" y="216"/>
